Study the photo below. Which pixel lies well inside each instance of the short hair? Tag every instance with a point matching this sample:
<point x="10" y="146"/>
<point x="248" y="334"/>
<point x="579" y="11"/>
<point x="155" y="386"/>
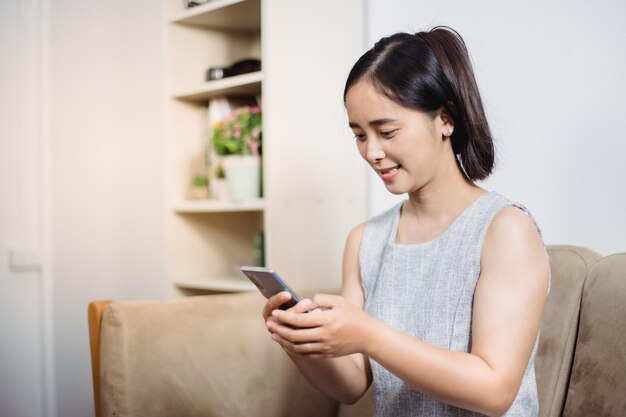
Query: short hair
<point x="429" y="71"/>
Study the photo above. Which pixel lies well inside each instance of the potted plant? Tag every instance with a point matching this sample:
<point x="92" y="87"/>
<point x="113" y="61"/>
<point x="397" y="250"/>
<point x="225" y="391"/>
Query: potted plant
<point x="237" y="140"/>
<point x="199" y="189"/>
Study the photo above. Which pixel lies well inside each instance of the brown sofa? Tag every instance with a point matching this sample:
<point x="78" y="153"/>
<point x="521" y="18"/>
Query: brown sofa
<point x="211" y="355"/>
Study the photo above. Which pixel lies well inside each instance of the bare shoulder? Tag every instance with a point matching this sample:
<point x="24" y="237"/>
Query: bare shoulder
<point x="512" y="242"/>
<point x="512" y="223"/>
<point x="356" y="234"/>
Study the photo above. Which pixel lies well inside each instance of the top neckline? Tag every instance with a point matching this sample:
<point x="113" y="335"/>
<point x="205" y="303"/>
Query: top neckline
<point x="457" y="220"/>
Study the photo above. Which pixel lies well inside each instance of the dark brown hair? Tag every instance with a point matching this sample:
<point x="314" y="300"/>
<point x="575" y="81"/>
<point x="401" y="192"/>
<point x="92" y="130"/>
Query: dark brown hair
<point x="431" y="71"/>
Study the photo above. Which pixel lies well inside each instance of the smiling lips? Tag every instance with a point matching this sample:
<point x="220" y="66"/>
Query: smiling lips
<point x="387" y="174"/>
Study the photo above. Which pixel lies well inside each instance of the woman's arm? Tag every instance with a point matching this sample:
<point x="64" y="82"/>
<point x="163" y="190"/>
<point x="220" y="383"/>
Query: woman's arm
<point x="344" y="378"/>
<point x="508" y="305"/>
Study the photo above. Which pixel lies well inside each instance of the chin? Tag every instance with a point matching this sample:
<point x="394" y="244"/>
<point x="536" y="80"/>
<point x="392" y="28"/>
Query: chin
<point x="396" y="189"/>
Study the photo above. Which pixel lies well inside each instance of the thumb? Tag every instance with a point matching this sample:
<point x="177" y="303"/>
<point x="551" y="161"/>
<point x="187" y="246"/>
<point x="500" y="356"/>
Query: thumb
<point x="326" y="301"/>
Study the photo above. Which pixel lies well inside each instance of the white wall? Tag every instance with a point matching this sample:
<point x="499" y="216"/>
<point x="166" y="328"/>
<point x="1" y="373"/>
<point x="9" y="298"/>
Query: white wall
<point x="552" y="78"/>
<point x="106" y="95"/>
<point x="22" y="371"/>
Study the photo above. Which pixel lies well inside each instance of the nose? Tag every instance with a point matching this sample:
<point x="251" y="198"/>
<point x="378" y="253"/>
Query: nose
<point x="374" y="152"/>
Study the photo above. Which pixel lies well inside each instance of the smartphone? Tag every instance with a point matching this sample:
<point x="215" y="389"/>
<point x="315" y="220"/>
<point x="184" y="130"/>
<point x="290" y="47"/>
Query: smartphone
<point x="269" y="283"/>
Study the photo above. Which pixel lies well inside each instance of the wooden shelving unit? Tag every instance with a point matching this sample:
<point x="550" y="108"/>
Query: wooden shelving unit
<point x="223" y="15"/>
<point x="306" y="210"/>
<point x="213" y="206"/>
<point x="246" y="84"/>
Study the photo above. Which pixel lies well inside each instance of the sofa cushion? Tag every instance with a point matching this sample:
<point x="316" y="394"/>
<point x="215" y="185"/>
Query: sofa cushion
<point x="557" y="337"/>
<point x="598" y="383"/>
<point x="199" y="356"/>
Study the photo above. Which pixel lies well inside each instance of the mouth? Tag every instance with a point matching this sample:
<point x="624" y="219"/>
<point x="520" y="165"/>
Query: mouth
<point x="388" y="173"/>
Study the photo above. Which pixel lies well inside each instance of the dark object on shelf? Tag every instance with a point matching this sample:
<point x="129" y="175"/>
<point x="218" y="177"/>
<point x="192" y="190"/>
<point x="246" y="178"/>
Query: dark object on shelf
<point x="192" y="3"/>
<point x="240" y="67"/>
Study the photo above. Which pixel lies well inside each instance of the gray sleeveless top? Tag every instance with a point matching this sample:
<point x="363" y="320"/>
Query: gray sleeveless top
<point x="426" y="290"/>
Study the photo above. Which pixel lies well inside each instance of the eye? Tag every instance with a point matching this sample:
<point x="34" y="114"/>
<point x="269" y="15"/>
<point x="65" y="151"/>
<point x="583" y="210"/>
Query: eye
<point x="388" y="134"/>
<point x="359" y="136"/>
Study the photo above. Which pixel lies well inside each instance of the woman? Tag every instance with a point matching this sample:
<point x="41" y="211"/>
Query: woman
<point x="443" y="294"/>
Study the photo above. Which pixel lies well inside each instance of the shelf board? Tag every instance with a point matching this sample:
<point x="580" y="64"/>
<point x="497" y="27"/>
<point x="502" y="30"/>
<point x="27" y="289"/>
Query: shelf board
<point x="239" y="15"/>
<point x="214" y="206"/>
<point x="226" y="284"/>
<point x="236" y="85"/>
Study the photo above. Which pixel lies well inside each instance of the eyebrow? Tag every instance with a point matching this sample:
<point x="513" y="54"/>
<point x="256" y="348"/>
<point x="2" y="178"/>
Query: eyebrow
<point x="377" y="122"/>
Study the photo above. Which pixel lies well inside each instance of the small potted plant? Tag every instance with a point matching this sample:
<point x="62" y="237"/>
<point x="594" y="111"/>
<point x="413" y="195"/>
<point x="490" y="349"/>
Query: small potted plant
<point x="199" y="189"/>
<point x="237" y="140"/>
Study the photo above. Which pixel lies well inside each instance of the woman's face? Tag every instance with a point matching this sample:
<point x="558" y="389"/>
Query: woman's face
<point x="405" y="147"/>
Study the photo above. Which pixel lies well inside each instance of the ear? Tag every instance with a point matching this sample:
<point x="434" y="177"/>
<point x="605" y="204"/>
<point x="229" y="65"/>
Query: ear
<point x="446" y="123"/>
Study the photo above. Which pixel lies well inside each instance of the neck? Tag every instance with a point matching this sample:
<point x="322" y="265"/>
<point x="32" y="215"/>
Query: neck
<point x="445" y="197"/>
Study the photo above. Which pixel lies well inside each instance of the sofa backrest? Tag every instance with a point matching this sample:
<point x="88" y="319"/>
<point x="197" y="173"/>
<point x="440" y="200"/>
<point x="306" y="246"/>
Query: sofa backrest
<point x="555" y="353"/>
<point x="208" y="356"/>
<point x="598" y="383"/>
<point x="557" y="337"/>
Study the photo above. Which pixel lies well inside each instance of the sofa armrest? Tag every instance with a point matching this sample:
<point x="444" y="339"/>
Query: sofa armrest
<point x="598" y="381"/>
<point x="557" y="337"/>
<point x="94" y="316"/>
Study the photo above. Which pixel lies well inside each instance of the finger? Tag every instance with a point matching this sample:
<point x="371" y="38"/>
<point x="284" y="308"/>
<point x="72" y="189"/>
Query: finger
<point x="275" y="302"/>
<point x="270" y="323"/>
<point x="300" y="348"/>
<point x="279" y="299"/>
<point x="296" y="335"/>
<point x="298" y="320"/>
<point x="327" y="301"/>
<point x="303" y="306"/>
<point x="273" y="325"/>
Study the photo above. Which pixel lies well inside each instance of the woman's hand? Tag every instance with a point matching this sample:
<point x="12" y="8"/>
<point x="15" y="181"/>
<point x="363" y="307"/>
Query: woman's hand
<point x="333" y="328"/>
<point x="274" y="302"/>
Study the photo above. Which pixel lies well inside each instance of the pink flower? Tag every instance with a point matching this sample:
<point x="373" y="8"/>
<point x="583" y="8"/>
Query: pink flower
<point x="254" y="147"/>
<point x="237" y="133"/>
<point x="256" y="133"/>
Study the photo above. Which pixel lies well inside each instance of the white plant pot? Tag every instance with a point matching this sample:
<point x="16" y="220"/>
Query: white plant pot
<point x="243" y="173"/>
